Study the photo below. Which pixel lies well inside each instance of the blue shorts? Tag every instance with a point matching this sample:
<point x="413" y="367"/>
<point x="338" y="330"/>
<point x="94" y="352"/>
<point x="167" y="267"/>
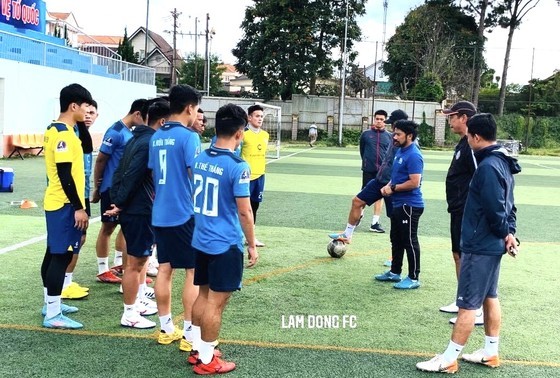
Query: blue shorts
<point x="222" y="273"/>
<point x="371" y="193"/>
<point x="256" y="189"/>
<point x="105" y="204"/>
<point x="138" y="234"/>
<point x="62" y="236"/>
<point x="174" y="245"/>
<point x="478" y="280"/>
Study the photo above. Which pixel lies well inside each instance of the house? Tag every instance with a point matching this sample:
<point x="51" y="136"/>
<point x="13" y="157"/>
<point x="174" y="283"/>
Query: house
<point x="375" y="73"/>
<point x="60" y="20"/>
<point x="233" y="81"/>
<point x="158" y="55"/>
<point x="105" y="45"/>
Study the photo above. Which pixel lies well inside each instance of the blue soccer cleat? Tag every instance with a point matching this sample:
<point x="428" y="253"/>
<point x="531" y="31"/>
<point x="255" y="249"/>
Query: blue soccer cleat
<point x="61" y="322"/>
<point x="341" y="237"/>
<point x="407" y="284"/>
<point x="63" y="307"/>
<point x="388" y="276"/>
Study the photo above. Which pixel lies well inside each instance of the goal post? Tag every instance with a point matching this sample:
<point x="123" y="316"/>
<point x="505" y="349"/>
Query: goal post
<point x="272" y="124"/>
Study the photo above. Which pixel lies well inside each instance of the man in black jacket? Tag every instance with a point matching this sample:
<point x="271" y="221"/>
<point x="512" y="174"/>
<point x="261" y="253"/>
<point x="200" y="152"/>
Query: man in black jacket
<point x="488" y="232"/>
<point x="133" y="194"/>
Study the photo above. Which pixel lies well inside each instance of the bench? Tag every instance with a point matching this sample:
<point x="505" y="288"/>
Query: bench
<point x="22" y="142"/>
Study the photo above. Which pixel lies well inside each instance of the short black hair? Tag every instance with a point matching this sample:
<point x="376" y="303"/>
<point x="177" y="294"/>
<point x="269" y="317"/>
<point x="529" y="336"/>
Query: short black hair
<point x="200" y="111"/>
<point x="483" y="125"/>
<point x="204" y="120"/>
<point x="74" y="94"/>
<point x="181" y="96"/>
<point x="408" y="127"/>
<point x="229" y="119"/>
<point x="94" y="103"/>
<point x="158" y="109"/>
<point x="253" y="108"/>
<point x="380" y="112"/>
<point x="137" y="106"/>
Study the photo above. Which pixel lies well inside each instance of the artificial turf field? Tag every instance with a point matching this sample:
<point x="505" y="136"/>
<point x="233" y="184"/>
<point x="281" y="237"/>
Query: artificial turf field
<point x="308" y="193"/>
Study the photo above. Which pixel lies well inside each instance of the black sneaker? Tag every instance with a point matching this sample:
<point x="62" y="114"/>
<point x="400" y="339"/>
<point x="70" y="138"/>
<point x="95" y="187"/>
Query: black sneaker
<point x="377" y="228"/>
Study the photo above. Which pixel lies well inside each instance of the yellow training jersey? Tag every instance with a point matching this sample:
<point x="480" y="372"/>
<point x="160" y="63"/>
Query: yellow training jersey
<point x="61" y="145"/>
<point x="253" y="151"/>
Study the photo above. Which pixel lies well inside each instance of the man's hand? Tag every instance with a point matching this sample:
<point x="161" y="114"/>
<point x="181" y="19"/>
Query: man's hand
<point x="511" y="245"/>
<point x="253" y="257"/>
<point x="113" y="211"/>
<point x="81" y="220"/>
<point x="386" y="190"/>
<point x="95" y="197"/>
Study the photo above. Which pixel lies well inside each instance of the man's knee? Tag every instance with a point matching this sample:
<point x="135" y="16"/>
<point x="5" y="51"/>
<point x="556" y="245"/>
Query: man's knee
<point x="358" y="203"/>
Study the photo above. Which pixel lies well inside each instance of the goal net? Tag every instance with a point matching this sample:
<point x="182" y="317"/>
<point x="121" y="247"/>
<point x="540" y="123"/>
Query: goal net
<point x="272" y="124"/>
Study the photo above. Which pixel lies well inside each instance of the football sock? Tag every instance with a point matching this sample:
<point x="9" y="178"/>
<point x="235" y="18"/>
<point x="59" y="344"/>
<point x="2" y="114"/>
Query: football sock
<point x="206" y="351"/>
<point x="187" y="330"/>
<point x="491" y="345"/>
<point x="53" y="306"/>
<point x="375" y="219"/>
<point x="129" y="310"/>
<point x="118" y="258"/>
<point x="141" y="290"/>
<point x="349" y="230"/>
<point x="44" y="295"/>
<point x="196" y="338"/>
<point x="166" y="324"/>
<point x="102" y="264"/>
<point x="452" y="351"/>
<point x="67" y="280"/>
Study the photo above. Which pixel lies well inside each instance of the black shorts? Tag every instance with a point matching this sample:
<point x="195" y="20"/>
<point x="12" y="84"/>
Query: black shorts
<point x="371" y="193"/>
<point x="222" y="273"/>
<point x="106" y="205"/>
<point x="478" y="280"/>
<point x="174" y="245"/>
<point x="455" y="227"/>
<point x="367" y="177"/>
<point x="256" y="189"/>
<point x="138" y="234"/>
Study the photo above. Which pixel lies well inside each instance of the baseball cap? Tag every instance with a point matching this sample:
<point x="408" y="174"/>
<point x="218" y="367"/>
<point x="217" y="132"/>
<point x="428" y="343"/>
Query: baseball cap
<point x="396" y="115"/>
<point x="461" y="107"/>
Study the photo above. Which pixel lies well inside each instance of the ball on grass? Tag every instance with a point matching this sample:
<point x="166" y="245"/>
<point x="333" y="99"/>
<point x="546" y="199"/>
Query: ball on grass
<point x="336" y="248"/>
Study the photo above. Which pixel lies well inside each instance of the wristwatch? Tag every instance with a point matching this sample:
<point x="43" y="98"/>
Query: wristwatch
<point x="393" y="188"/>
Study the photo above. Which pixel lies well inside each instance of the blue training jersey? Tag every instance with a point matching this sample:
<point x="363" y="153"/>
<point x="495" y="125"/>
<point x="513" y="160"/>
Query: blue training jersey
<point x="114" y="141"/>
<point x="408" y="161"/>
<point x="237" y="151"/>
<point x="172" y="151"/>
<point x="219" y="178"/>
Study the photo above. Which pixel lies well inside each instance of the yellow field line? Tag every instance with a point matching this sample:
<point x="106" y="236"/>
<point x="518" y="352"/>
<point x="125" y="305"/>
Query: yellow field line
<point x="265" y="344"/>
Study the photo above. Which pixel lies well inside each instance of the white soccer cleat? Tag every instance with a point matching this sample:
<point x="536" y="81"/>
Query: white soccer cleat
<point x="480" y="357"/>
<point x="149" y="293"/>
<point x="478" y="320"/>
<point x="153" y="266"/>
<point x="438" y="365"/>
<point x="137" y="321"/>
<point x="450" y="308"/>
<point x="146" y="307"/>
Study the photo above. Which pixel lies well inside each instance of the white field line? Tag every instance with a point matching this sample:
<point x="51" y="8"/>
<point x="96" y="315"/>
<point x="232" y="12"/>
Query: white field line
<point x="34" y="240"/>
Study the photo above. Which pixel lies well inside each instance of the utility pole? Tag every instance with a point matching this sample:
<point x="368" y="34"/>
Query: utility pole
<point x="175" y="15"/>
<point x="196" y="51"/>
<point x="207" y="57"/>
<point x="343" y="81"/>
<point x="146" y="40"/>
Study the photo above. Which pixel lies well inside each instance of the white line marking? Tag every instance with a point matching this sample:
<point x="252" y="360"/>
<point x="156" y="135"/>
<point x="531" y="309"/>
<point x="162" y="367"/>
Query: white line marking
<point x="290" y="155"/>
<point x="34" y="240"/>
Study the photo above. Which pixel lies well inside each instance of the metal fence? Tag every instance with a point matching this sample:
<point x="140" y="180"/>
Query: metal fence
<point x="33" y="51"/>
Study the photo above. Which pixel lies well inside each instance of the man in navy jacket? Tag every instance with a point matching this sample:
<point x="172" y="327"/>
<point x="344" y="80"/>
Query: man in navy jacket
<point x="488" y="230"/>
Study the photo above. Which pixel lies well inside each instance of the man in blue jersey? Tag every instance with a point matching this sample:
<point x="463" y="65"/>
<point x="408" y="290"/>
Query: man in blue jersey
<point x="71" y="289"/>
<point x="133" y="196"/>
<point x="171" y="158"/>
<point x="408" y="206"/>
<point x="107" y="161"/>
<point x="223" y="215"/>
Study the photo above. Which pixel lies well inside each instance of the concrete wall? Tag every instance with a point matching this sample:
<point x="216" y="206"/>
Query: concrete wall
<point x="29" y="98"/>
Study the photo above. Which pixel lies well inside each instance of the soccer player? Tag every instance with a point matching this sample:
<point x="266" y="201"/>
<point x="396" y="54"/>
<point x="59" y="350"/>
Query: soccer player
<point x="132" y="193"/>
<point x="198" y="126"/>
<point x="374" y="144"/>
<point x="64" y="202"/>
<point x="110" y="154"/>
<point x="371" y="193"/>
<point x="408" y="206"/>
<point x="457" y="182"/>
<point x="312" y="135"/>
<point x="487" y="233"/>
<point x="172" y="151"/>
<point x="253" y="151"/>
<point x="222" y="215"/>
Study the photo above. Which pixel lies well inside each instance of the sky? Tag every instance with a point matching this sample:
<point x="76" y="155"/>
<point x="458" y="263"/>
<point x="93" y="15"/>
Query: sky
<point x="535" y="50"/>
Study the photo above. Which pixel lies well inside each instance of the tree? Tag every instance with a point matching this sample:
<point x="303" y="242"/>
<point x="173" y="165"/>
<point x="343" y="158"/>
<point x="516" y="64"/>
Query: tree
<point x="187" y="72"/>
<point x="429" y="88"/>
<point x="357" y="81"/>
<point x="509" y="14"/>
<point x="288" y="44"/>
<point x="126" y="50"/>
<point x="436" y="38"/>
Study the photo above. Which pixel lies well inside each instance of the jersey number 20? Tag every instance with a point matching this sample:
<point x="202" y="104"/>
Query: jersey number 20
<point x="209" y="198"/>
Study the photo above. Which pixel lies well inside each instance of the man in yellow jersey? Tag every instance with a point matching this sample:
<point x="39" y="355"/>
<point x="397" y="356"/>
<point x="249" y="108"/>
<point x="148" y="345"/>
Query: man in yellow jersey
<point x="253" y="151"/>
<point x="64" y="202"/>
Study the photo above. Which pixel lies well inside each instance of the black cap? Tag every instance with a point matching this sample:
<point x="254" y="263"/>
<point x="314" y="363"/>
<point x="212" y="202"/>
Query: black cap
<point x="395" y="116"/>
<point x="461" y="107"/>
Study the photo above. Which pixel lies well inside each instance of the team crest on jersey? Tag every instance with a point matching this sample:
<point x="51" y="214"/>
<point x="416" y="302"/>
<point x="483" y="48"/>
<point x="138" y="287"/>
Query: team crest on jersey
<point x="400" y="161"/>
<point x="61" y="146"/>
<point x="245" y="177"/>
<point x="108" y="142"/>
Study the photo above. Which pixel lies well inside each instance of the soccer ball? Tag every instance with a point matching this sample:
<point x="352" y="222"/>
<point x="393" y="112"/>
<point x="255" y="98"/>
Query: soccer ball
<point x="336" y="248"/>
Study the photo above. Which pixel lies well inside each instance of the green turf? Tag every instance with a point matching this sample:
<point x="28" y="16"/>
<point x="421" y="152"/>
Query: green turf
<point x="307" y="195"/>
